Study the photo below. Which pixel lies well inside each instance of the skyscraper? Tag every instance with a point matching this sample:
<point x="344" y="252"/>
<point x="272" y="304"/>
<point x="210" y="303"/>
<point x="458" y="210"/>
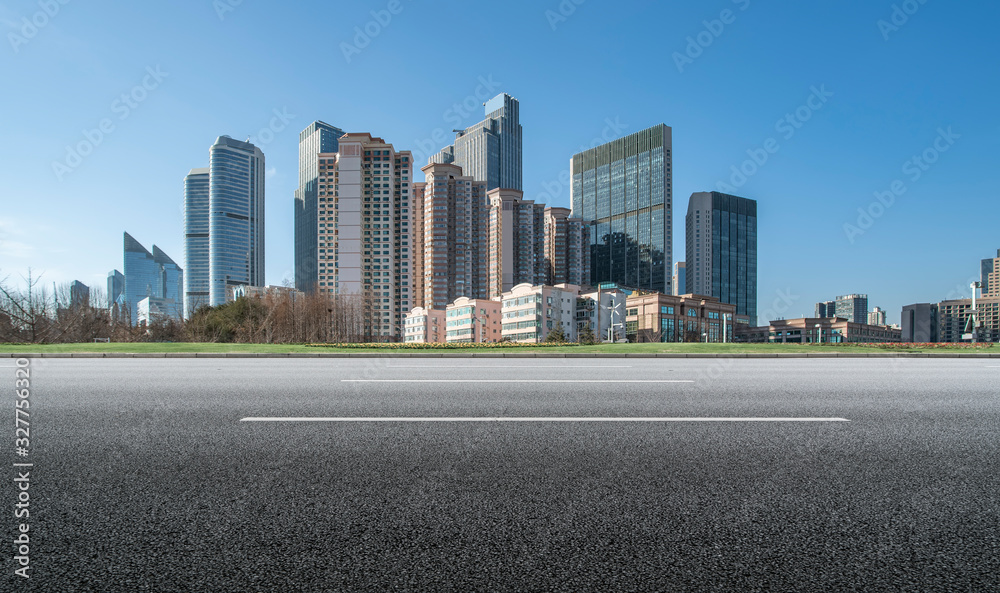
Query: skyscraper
<point x="516" y="241"/>
<point x="236" y="217"/>
<point x="825" y="309"/>
<point x="678" y="283"/>
<point x="450" y="216"/>
<point x="116" y="286"/>
<point x="364" y="228"/>
<point x="79" y="294"/>
<point x="721" y="242"/>
<point x="876" y="316"/>
<point x="990" y="276"/>
<point x="566" y="253"/>
<point x="853" y="307"/>
<point x="196" y="239"/>
<point x="490" y="151"/>
<point x="319" y="137"/>
<point x="623" y="190"/>
<point x="152" y="275"/>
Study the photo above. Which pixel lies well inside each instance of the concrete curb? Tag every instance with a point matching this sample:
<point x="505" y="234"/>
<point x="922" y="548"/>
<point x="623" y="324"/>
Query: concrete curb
<point x="550" y="355"/>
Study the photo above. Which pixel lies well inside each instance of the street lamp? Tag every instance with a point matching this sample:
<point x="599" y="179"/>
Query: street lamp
<point x="819" y="333"/>
<point x="705" y="335"/>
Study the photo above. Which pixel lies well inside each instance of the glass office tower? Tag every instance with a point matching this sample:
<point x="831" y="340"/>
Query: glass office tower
<point x="318" y="138"/>
<point x="173" y="277"/>
<point x="490" y="151"/>
<point x="623" y="189"/>
<point x="721" y="243"/>
<point x="236" y="218"/>
<point x="152" y="275"/>
<point x="196" y="240"/>
<point x="116" y="286"/>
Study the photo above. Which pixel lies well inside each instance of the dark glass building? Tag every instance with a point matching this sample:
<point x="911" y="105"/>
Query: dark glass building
<point x="721" y="242"/>
<point x="318" y="138"/>
<point x="196" y="241"/>
<point x="623" y="191"/>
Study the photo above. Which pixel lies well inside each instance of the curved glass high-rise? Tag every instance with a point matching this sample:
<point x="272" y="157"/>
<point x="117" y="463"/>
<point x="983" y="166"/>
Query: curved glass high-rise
<point x="235" y="218"/>
<point x="196" y="243"/>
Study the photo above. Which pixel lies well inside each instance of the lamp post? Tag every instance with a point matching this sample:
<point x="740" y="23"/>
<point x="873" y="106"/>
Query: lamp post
<point x="819" y="333"/>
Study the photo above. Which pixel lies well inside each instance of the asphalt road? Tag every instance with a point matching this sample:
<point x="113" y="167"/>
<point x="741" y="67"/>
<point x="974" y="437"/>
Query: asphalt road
<point x="146" y="479"/>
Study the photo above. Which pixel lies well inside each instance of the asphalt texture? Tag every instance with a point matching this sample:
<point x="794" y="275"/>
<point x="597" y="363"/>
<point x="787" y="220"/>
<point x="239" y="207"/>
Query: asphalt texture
<point x="146" y="479"/>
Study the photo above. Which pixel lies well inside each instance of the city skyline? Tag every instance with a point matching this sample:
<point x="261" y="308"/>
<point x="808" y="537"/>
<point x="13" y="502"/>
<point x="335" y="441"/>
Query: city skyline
<point x="861" y="154"/>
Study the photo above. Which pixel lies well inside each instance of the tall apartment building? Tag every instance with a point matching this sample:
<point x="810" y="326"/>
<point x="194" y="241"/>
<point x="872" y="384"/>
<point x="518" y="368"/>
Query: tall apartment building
<point x="319" y="137"/>
<point x="920" y="323"/>
<point x="876" y="317"/>
<point x="990" y="276"/>
<point x="197" y="246"/>
<point x="235" y="220"/>
<point x="721" y="244"/>
<point x="490" y="151"/>
<point x="516" y="241"/>
<point x="116" y="286"/>
<point x="152" y="275"/>
<point x="566" y="250"/>
<point x="623" y="190"/>
<point x="449" y="223"/>
<point x="678" y="282"/>
<point x="853" y="307"/>
<point x="364" y="237"/>
<point x="530" y="313"/>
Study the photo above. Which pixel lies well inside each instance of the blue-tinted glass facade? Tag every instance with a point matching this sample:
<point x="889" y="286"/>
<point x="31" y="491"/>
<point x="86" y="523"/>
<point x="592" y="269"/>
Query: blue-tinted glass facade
<point x="196" y="240"/>
<point x="490" y="151"/>
<point x="236" y="217"/>
<point x="721" y="257"/>
<point x="624" y="189"/>
<point x="116" y="286"/>
<point x="319" y="137"/>
<point x="149" y="275"/>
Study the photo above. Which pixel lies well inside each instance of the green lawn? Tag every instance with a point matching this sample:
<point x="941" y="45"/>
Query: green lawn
<point x="143" y="348"/>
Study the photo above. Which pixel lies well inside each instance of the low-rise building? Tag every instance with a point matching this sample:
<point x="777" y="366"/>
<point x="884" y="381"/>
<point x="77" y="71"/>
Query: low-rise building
<point x="424" y="326"/>
<point x="153" y="309"/>
<point x="530" y="313"/>
<point x="473" y="320"/>
<point x="658" y="317"/>
<point x="603" y="312"/>
<point x="826" y="330"/>
<point x="953" y="319"/>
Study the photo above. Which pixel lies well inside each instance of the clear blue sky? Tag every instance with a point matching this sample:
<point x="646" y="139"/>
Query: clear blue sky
<point x="576" y="67"/>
